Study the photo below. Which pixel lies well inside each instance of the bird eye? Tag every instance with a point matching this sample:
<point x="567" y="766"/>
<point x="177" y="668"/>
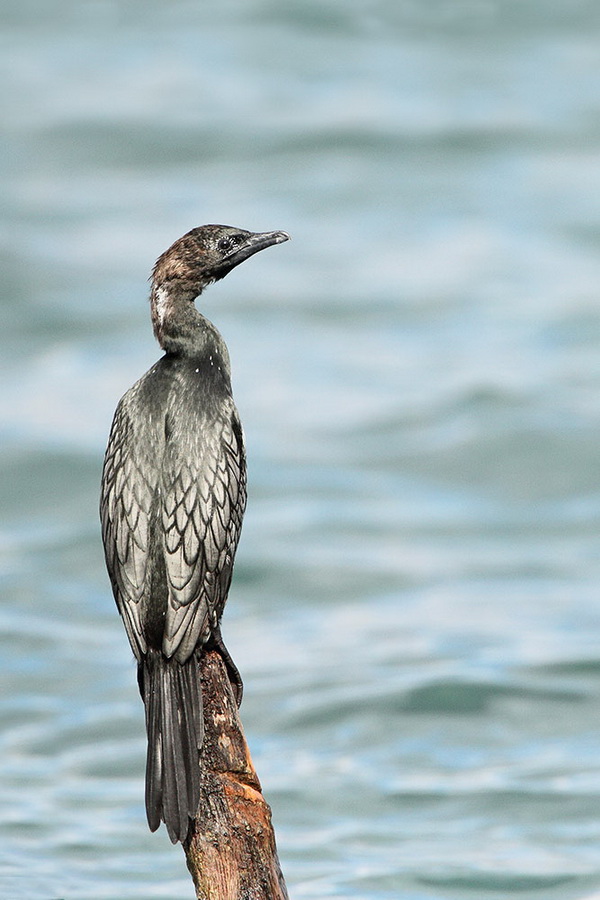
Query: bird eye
<point x="226" y="243"/>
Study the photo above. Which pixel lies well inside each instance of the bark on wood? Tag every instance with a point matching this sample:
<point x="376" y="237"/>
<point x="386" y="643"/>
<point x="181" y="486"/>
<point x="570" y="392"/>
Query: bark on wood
<point x="230" y="849"/>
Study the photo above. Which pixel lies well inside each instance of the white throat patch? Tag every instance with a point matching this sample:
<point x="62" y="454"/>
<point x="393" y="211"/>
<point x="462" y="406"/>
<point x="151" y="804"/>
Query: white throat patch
<point x="162" y="303"/>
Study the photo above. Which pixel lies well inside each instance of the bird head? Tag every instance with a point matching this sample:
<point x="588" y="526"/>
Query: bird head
<point x="194" y="261"/>
<point x="207" y="254"/>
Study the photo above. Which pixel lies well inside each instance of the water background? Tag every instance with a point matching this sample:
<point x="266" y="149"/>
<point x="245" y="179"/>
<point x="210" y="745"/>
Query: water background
<point x="416" y="607"/>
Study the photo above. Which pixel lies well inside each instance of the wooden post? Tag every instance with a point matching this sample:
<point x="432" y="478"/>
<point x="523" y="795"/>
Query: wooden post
<point x="230" y="849"/>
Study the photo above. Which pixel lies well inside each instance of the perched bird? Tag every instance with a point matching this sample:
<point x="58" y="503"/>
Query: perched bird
<point x="173" y="498"/>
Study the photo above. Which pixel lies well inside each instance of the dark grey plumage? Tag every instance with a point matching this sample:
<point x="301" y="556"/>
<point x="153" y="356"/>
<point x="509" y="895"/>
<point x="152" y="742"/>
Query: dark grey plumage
<point x="173" y="498"/>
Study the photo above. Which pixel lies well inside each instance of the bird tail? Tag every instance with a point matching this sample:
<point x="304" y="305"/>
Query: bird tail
<point x="172" y="696"/>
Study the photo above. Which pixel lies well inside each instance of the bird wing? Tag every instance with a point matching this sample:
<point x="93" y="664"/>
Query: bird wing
<point x="125" y="510"/>
<point x="203" y="496"/>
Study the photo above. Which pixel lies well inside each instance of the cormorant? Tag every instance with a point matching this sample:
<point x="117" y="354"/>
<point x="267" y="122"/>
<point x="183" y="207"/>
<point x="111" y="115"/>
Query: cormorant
<point x="173" y="498"/>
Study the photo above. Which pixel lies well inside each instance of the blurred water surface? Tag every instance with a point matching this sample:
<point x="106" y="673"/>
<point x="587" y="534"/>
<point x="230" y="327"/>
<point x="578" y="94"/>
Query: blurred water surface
<point x="415" y="607"/>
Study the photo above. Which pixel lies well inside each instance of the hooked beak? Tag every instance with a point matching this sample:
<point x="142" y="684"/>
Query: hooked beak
<point x="253" y="244"/>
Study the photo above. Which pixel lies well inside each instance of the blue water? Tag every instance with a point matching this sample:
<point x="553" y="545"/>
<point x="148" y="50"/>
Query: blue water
<point x="416" y="601"/>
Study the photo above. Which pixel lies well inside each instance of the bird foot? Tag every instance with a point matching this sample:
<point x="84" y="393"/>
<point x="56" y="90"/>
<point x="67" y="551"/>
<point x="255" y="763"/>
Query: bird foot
<point x="233" y="673"/>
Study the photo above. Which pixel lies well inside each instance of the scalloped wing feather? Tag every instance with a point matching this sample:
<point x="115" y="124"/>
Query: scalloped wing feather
<point x="205" y="496"/>
<point x="125" y="512"/>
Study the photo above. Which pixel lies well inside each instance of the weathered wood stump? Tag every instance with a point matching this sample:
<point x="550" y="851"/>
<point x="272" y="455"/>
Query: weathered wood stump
<point x="230" y="849"/>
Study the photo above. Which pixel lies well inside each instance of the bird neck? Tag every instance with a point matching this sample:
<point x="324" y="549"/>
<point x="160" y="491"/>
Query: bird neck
<point x="180" y="329"/>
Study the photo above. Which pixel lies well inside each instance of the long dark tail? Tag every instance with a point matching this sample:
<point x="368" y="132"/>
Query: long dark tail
<point x="172" y="696"/>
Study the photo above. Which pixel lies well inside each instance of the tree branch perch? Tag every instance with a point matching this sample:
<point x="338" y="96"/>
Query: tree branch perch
<point x="230" y="849"/>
